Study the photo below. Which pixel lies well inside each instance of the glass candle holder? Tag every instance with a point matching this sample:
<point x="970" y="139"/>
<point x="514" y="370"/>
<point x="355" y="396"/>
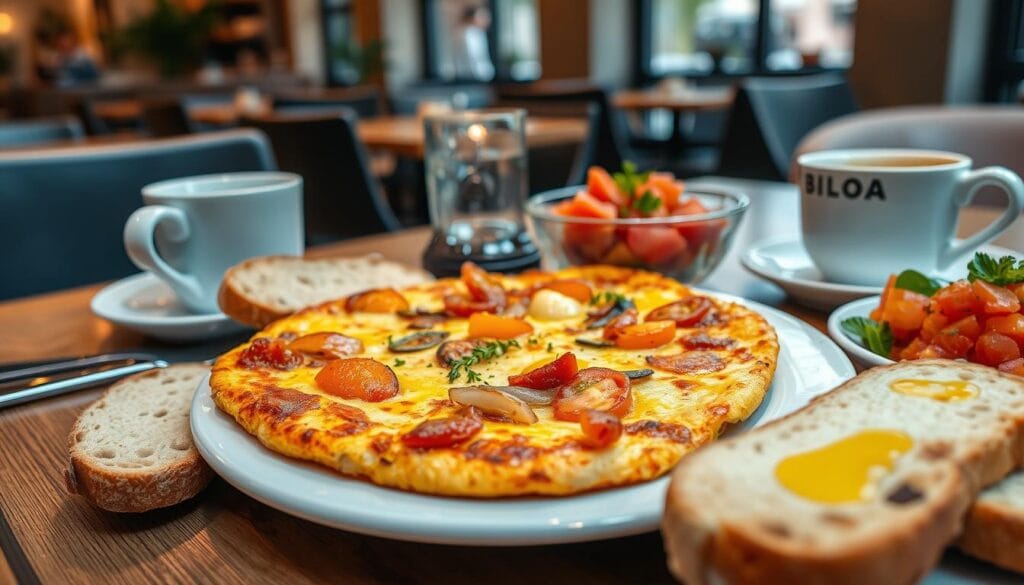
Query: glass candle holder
<point x="477" y="184"/>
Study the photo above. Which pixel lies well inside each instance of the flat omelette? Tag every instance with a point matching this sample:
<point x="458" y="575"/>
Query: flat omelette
<point x="544" y="383"/>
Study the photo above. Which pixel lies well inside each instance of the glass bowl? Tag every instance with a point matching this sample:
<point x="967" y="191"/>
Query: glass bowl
<point x="684" y="247"/>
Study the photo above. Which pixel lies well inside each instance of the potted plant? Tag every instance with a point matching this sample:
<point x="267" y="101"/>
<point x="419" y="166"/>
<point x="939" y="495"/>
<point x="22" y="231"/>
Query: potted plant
<point x="171" y="37"/>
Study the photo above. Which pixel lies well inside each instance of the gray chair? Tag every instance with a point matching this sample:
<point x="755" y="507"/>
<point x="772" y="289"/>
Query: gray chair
<point x="991" y="135"/>
<point x="62" y="211"/>
<point x="770" y="116"/>
<point x="364" y="101"/>
<point x="39" y="131"/>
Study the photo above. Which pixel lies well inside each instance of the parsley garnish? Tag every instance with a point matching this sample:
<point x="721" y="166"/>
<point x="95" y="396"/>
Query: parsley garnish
<point x="482" y="353"/>
<point x="399" y="362"/>
<point x="607" y="296"/>
<point x="1006" y="270"/>
<point x="628" y="180"/>
<point x="551" y="347"/>
<point x="646" y="203"/>
<point x="914" y="281"/>
<point x="876" y="336"/>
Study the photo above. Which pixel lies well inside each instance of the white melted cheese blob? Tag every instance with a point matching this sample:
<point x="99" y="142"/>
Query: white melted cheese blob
<point x="549" y="305"/>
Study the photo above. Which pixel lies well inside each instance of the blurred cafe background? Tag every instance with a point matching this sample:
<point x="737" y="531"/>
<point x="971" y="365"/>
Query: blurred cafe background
<point x="117" y="94"/>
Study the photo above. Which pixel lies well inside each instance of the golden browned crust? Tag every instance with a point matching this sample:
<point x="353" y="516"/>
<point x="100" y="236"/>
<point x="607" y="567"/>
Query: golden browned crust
<point x="995" y="533"/>
<point x="288" y="414"/>
<point x="241" y="308"/>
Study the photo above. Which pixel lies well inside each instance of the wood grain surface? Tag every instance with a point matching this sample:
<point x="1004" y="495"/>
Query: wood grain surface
<point x="224" y="536"/>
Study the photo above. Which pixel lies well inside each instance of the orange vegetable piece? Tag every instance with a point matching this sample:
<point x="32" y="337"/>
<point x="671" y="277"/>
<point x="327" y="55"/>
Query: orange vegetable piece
<point x="358" y="378"/>
<point x="995" y="348"/>
<point x="905" y="312"/>
<point x="956" y="300"/>
<point x="968" y="326"/>
<point x="378" y="300"/>
<point x="602" y="186"/>
<point x="932" y="325"/>
<point x="913" y="351"/>
<point x="576" y="289"/>
<point x="496" y="326"/>
<point x="995" y="299"/>
<point x="1017" y="289"/>
<point x="646" y="335"/>
<point x="1015" y="367"/>
<point x="1011" y="325"/>
<point x="890" y="285"/>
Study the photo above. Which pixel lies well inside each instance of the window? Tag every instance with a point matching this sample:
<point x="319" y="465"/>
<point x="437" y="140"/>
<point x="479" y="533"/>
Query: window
<point x="1005" y="75"/>
<point x="737" y="37"/>
<point x="478" y="40"/>
<point x="339" y="46"/>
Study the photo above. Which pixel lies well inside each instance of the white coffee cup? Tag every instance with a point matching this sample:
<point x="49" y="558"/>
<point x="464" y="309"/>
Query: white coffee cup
<point x="193" y="229"/>
<point x="869" y="213"/>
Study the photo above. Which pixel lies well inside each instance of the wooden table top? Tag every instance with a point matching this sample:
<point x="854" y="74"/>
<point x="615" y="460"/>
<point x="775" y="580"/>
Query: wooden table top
<point x="403" y="135"/>
<point x="226" y="537"/>
<point x="687" y="100"/>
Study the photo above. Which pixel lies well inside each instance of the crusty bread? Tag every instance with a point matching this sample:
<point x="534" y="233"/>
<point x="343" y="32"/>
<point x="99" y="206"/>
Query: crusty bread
<point x="132" y="450"/>
<point x="261" y="290"/>
<point x="729" y="519"/>
<point x="994" y="529"/>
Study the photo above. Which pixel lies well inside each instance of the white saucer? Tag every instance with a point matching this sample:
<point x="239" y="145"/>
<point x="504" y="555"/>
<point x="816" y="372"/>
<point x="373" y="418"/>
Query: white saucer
<point x="809" y="365"/>
<point x="145" y="304"/>
<point x="786" y="263"/>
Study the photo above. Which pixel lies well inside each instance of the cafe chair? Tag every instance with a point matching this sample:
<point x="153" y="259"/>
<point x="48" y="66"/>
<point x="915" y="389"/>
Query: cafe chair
<point x="466" y="96"/>
<point x="39" y="131"/>
<point x="165" y="117"/>
<point x="343" y="198"/>
<point x="768" y="118"/>
<point x="364" y="101"/>
<point x="610" y="148"/>
<point x="62" y="211"/>
<point x="990" y="135"/>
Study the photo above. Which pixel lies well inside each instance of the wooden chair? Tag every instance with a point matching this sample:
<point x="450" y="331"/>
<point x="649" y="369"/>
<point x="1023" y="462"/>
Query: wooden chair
<point x="343" y="198"/>
<point x="39" y="131"/>
<point x="62" y="211"/>
<point x="769" y="117"/>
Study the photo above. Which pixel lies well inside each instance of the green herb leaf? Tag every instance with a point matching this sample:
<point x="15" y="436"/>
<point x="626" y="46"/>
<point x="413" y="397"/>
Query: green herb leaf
<point x="1006" y="270"/>
<point x="877" y="337"/>
<point x="647" y="203"/>
<point x="482" y="353"/>
<point x="607" y="296"/>
<point x="628" y="179"/>
<point x="399" y="362"/>
<point x="914" y="281"/>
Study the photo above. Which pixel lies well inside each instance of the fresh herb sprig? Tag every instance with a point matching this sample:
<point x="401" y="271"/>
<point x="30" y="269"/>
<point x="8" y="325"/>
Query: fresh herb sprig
<point x="607" y="296"/>
<point x="629" y="179"/>
<point x="647" y="203"/>
<point x="914" y="281"/>
<point x="1006" y="270"/>
<point x="876" y="336"/>
<point x="481" y="353"/>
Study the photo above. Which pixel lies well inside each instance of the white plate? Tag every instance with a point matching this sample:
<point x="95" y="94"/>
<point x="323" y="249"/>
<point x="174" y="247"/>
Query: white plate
<point x="860" y="354"/>
<point x="145" y="304"/>
<point x="786" y="263"/>
<point x="809" y="365"/>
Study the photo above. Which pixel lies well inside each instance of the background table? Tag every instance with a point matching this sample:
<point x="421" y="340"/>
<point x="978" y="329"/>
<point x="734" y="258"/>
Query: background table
<point x="226" y="537"/>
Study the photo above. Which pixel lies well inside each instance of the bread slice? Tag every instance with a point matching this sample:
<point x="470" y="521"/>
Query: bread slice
<point x="261" y="290"/>
<point x="729" y="519"/>
<point x="994" y="530"/>
<point x="132" y="450"/>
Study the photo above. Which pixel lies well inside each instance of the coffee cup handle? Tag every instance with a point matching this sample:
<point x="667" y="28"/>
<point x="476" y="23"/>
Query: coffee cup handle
<point x="141" y="247"/>
<point x="969" y="184"/>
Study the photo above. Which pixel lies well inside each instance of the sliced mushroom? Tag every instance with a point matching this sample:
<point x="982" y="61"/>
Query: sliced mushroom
<point x="606" y="313"/>
<point x="417" y="341"/>
<point x="594" y="342"/>
<point x="637" y="374"/>
<point x="529" y="395"/>
<point x="492" y="401"/>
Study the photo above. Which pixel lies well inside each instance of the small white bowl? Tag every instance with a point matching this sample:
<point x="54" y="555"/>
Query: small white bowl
<point x="861" y="355"/>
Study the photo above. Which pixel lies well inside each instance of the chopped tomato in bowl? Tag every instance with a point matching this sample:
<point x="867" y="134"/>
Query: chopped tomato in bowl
<point x="646" y="220"/>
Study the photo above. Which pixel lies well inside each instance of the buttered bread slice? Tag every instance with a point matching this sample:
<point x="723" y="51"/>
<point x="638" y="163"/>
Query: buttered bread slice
<point x="867" y="484"/>
<point x="994" y="530"/>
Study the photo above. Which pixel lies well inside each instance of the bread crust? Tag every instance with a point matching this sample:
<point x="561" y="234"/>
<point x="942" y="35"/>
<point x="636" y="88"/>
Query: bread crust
<point x="994" y="532"/>
<point x="699" y="553"/>
<point x="134" y="490"/>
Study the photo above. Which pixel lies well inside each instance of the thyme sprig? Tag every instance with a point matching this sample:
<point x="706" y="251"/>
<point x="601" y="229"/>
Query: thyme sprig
<point x="484" y="352"/>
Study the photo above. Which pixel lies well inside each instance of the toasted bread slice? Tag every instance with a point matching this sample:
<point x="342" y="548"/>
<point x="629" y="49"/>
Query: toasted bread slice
<point x="132" y="449"/>
<point x="994" y="530"/>
<point x="729" y="517"/>
<point x="261" y="290"/>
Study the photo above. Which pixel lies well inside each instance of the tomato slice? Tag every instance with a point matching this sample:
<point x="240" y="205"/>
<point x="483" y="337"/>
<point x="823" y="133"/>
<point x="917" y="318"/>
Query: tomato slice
<point x="584" y="243"/>
<point x="968" y="326"/>
<point x="602" y="186"/>
<point x="655" y="244"/>
<point x="584" y="204"/>
<point x="615" y="327"/>
<point x="931" y="326"/>
<point x="462" y="306"/>
<point x="266" y="352"/>
<point x="358" y="378"/>
<point x="685" y="312"/>
<point x="600" y="429"/>
<point x="378" y="300"/>
<point x="550" y="375"/>
<point x="994" y="348"/>
<point x="496" y="326"/>
<point x="593" y="389"/>
<point x="1017" y="289"/>
<point x="956" y="300"/>
<point x="442" y="432"/>
<point x="913" y="351"/>
<point x="481" y="286"/>
<point x="995" y="299"/>
<point x="1011" y="325"/>
<point x="698" y="233"/>
<point x="646" y="335"/>
<point x="326" y="345"/>
<point x="576" y="289"/>
<point x="1015" y="367"/>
